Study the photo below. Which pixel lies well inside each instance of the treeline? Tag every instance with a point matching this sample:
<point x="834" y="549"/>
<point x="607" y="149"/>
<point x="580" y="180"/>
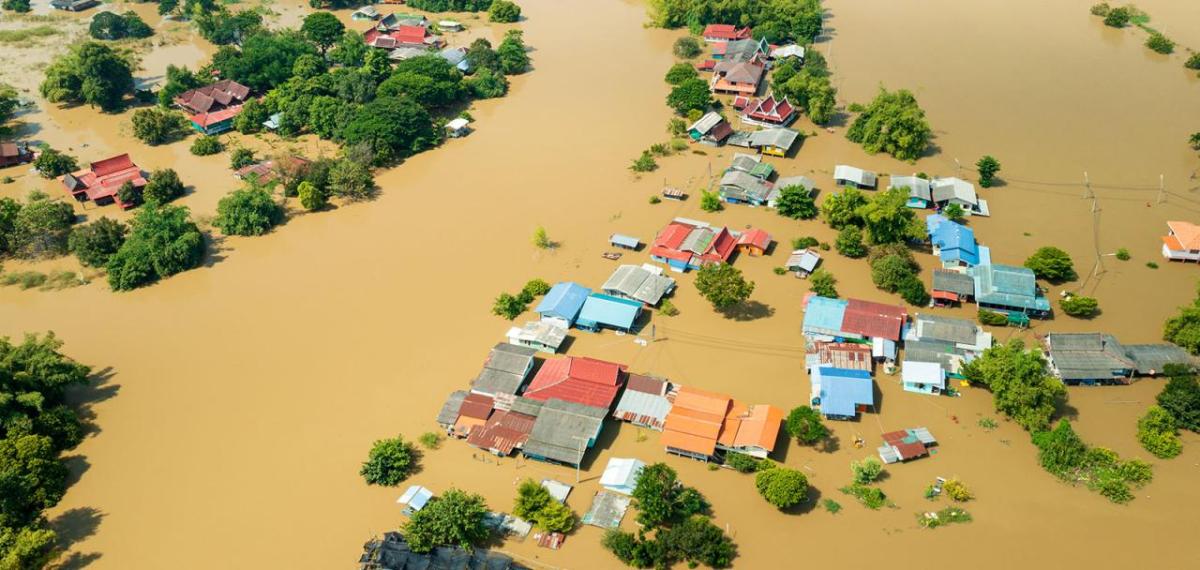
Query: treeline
<point x="36" y="427"/>
<point x="451" y="5"/>
<point x="885" y="222"/>
<point x="775" y="20"/>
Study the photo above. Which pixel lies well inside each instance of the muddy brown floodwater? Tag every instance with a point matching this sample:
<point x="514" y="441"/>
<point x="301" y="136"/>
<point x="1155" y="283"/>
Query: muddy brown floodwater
<point x="245" y="393"/>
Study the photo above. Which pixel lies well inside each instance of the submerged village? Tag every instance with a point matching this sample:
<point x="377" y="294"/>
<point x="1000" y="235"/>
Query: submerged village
<point x="468" y="284"/>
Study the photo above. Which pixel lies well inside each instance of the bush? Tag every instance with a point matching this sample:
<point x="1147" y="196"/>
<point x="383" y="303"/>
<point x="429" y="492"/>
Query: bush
<point x="644" y="163"/>
<point x="891" y="270"/>
<point x="241" y="157"/>
<point x="955" y="213"/>
<point x="248" y="212"/>
<point x="691" y="95"/>
<point x="1079" y="306"/>
<point x="804" y="424"/>
<point x="312" y="197"/>
<point x="96" y="242"/>
<point x="1156" y="432"/>
<point x="162" y="241"/>
<point x="1100" y="9"/>
<point x="823" y="283"/>
<point x="654" y="199"/>
<point x="1117" y="17"/>
<point x="1193" y="62"/>
<point x="1021" y="388"/>
<point x="19" y="6"/>
<point x="453" y="519"/>
<point x="948" y="515"/>
<point x="957" y="491"/>
<point x="1151" y="265"/>
<point x="743" y="463"/>
<point x="206" y="145"/>
<point x="430" y="440"/>
<point x="871" y="497"/>
<point x="893" y="123"/>
<point x="723" y="285"/>
<point x="866" y="471"/>
<point x="163" y="186"/>
<point x="831" y="506"/>
<point x="389" y="462"/>
<point x="667" y="308"/>
<point x="1123" y="254"/>
<point x="52" y="164"/>
<point x="850" y="242"/>
<point x="541" y="239"/>
<point x="504" y="12"/>
<point x="1051" y="264"/>
<point x="804" y="242"/>
<point x="988" y="166"/>
<point x="686" y="47"/>
<point x="507" y="306"/>
<point x="680" y="72"/>
<point x="1160" y="43"/>
<point x="913" y="291"/>
<point x="782" y="487"/>
<point x="661" y="499"/>
<point x="710" y="201"/>
<point x="155" y="126"/>
<point x="1067" y="457"/>
<point x="992" y="318"/>
<point x="535" y="288"/>
<point x="534" y="504"/>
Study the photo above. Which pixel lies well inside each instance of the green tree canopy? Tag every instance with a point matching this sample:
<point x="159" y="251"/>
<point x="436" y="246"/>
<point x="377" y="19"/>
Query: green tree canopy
<point x="686" y="47"/>
<point x="52" y="163"/>
<point x="887" y="217"/>
<point x="164" y="185"/>
<point x="322" y="29"/>
<point x="681" y="72"/>
<point x="1021" y="388"/>
<point x="988" y="166"/>
<point x="504" y="11"/>
<point x="823" y="283"/>
<point x="511" y="54"/>
<point x="1079" y="306"/>
<point x="394" y="127"/>
<point x="162" y="241"/>
<point x="662" y="499"/>
<point x="807" y="86"/>
<point x="389" y="462"/>
<point x="265" y="60"/>
<point x="841" y="209"/>
<point x="1157" y="433"/>
<point x="96" y="242"/>
<point x="248" y="211"/>
<point x="782" y="487"/>
<point x="777" y="21"/>
<point x="155" y="126"/>
<point x="1181" y="398"/>
<point x="453" y="519"/>
<point x="32" y="477"/>
<point x="804" y="424"/>
<point x="692" y="94"/>
<point x="90" y="73"/>
<point x="893" y="123"/>
<point x="796" y="202"/>
<point x="850" y="242"/>
<point x="41" y="228"/>
<point x="1051" y="264"/>
<point x="723" y="285"/>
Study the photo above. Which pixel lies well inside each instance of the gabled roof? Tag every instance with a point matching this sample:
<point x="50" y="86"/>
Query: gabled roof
<point x="577" y="379"/>
<point x="842" y="391"/>
<point x="946" y="189"/>
<point x="1186" y="234"/>
<point x="693" y="242"/>
<point x="449" y="412"/>
<point x="755" y="426"/>
<point x="725" y="32"/>
<point x="706" y="122"/>
<point x="600" y="309"/>
<point x="564" y="300"/>
<point x="778" y="137"/>
<point x="843" y="172"/>
<point x="644" y="401"/>
<point x="638" y="283"/>
<point x="875" y="320"/>
<point x="213" y="96"/>
<point x="503" y="432"/>
<point x="823" y="315"/>
<point x="756" y="238"/>
<point x="504" y="370"/>
<point x="695" y="421"/>
<point x="917" y="187"/>
<point x="746" y="72"/>
<point x="745" y="186"/>
<point x="770" y="109"/>
<point x="1008" y="286"/>
<point x="805" y="259"/>
<point x="564" y="430"/>
<point x="953" y="281"/>
<point x="948" y="329"/>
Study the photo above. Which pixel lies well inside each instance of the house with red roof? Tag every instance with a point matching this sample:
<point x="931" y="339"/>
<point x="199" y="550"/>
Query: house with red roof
<point x="754" y="242"/>
<point x="829" y="319"/>
<point x="768" y="112"/>
<point x="725" y="33"/>
<point x="14" y="153"/>
<point x="689" y="244"/>
<point x="401" y="36"/>
<point x="101" y="182"/>
<point x="577" y="379"/>
<point x="1182" y="242"/>
<point x="211" y="108"/>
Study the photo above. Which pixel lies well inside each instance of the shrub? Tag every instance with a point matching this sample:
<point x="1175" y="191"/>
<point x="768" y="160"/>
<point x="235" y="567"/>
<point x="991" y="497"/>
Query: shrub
<point x="1051" y="264"/>
<point x="1160" y="43"/>
<point x="686" y="47"/>
<point x="850" y="242"/>
<point x="644" y="163"/>
<point x="163" y="186"/>
<point x="780" y="270"/>
<point x="534" y="504"/>
<point x="723" y="285"/>
<point x="660" y="149"/>
<point x="155" y="126"/>
<point x="796" y="202"/>
<point x="312" y="197"/>
<point x="541" y="240"/>
<point x="1156" y="432"/>
<point x="206" y="145"/>
<point x="1151" y="265"/>
<point x="743" y="463"/>
<point x="823" y="283"/>
<point x="52" y="164"/>
<point x="1117" y="17"/>
<point x="710" y="201"/>
<point x="866" y="471"/>
<point x="691" y="95"/>
<point x="19" y="6"/>
<point x="1100" y="9"/>
<point x="948" y="515"/>
<point x="831" y="506"/>
<point x="504" y="12"/>
<point x="654" y="199"/>
<point x="1079" y="306"/>
<point x="507" y="306"/>
<point x="241" y="157"/>
<point x="162" y="241"/>
<point x="430" y="440"/>
<point x="804" y="424"/>
<point x="453" y="519"/>
<point x="1123" y="254"/>
<point x="248" y="212"/>
<point x="351" y="180"/>
<point x="1193" y="62"/>
<point x="992" y="318"/>
<point x="680" y="72"/>
<point x="667" y="308"/>
<point x="96" y="242"/>
<point x="389" y="462"/>
<point x="535" y="288"/>
<point x="804" y="242"/>
<point x="871" y="497"/>
<point x="782" y="487"/>
<point x="957" y="491"/>
<point x="912" y="290"/>
<point x="955" y="213"/>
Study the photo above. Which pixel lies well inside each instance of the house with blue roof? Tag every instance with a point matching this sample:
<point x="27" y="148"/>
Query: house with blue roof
<point x="605" y="311"/>
<point x="563" y="303"/>
<point x="841" y="392"/>
<point x="823" y="316"/>
<point x="1009" y="289"/>
<point x="955" y="243"/>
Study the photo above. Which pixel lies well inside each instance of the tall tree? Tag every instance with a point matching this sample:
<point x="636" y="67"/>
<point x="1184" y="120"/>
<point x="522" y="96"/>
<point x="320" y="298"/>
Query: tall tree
<point x="90" y="73"/>
<point x="322" y="29"/>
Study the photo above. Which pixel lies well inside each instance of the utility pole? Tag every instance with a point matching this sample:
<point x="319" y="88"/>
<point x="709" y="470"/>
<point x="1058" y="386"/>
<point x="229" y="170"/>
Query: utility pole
<point x="957" y="168"/>
<point x="1162" y="189"/>
<point x="1087" y="185"/>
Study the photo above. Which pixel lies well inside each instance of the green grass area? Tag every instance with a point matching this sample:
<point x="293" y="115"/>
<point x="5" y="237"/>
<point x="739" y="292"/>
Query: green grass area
<point x="27" y="34"/>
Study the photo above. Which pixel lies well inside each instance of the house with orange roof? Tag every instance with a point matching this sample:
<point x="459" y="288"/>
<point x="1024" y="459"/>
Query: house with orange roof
<point x="1182" y="242"/>
<point x="754" y="242"/>
<point x="101" y="182"/>
<point x="704" y="425"/>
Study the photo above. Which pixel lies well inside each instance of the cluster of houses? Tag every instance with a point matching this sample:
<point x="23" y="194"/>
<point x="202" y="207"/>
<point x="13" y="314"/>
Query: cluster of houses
<point x="691" y="244"/>
<point x="405" y="36"/>
<point x="102" y="180"/>
<point x="748" y="181"/>
<point x="212" y="108"/>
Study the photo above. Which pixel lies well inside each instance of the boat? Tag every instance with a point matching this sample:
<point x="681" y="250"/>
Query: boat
<point x="611" y="255"/>
<point x="672" y="193"/>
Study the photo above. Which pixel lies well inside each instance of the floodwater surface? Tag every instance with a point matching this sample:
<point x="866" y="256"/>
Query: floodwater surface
<point x="241" y="397"/>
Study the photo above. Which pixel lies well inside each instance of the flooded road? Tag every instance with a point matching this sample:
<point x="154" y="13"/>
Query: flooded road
<point x="245" y="394"/>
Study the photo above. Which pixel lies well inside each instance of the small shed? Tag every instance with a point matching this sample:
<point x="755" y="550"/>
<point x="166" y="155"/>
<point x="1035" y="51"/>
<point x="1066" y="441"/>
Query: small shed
<point x="620" y="475"/>
<point x="923" y="377"/>
<point x="365" y="13"/>
<point x="622" y="240"/>
<point x="607" y="510"/>
<point x="846" y="175"/>
<point x="414" y="498"/>
<point x="754" y="242"/>
<point x="558" y="490"/>
<point x="272" y="122"/>
<point x="605" y="311"/>
<point x="904" y="445"/>
<point x="543" y="336"/>
<point x="803" y="262"/>
<point x="450" y="25"/>
<point x="883" y="350"/>
<point x="458" y="127"/>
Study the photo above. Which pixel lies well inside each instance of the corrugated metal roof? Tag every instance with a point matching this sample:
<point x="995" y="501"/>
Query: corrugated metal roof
<point x="842" y="391"/>
<point x="564" y="430"/>
<point x="449" y="412"/>
<point x="564" y="300"/>
<point x="610" y="311"/>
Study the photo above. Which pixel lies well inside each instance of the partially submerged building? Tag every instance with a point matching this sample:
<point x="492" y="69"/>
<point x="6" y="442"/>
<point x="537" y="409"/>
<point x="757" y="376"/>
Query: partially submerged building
<point x="505" y="370"/>
<point x="955" y="244"/>
<point x="212" y="108"/>
<point x="952" y="287"/>
<point x="837" y="319"/>
<point x="776" y="141"/>
<point x="392" y="552"/>
<point x="577" y="379"/>
<point x="922" y="377"/>
<point x="841" y="393"/>
<point x="602" y="311"/>
<point x="946" y="191"/>
<point x="769" y="112"/>
<point x="645" y="402"/>
<point x="905" y="445"/>
<point x="724" y="33"/>
<point x="737" y="77"/>
<point x="710" y="129"/>
<point x="562" y="303"/>
<point x="754" y="242"/>
<point x="12" y="154"/>
<point x="564" y="431"/>
<point x="644" y="284"/>
<point x="917" y="188"/>
<point x="1009" y="289"/>
<point x="844" y="355"/>
<point x="846" y="175"/>
<point x="689" y="244"/>
<point x="704" y="425"/>
<point x="542" y="336"/>
<point x="620" y="475"/>
<point x="1098" y="358"/>
<point x="1182" y="242"/>
<point x="741" y="187"/>
<point x="101" y="182"/>
<point x="802" y="262"/>
<point x="967" y="337"/>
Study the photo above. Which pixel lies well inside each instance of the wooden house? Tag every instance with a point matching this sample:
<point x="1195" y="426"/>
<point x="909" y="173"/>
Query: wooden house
<point x="101" y="182"/>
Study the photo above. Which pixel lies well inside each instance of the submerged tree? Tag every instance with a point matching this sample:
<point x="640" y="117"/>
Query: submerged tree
<point x="389" y="462"/>
<point x="723" y="285"/>
<point x="893" y="123"/>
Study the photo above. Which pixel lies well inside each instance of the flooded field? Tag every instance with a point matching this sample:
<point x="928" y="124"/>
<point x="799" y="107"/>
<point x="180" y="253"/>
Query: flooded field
<point x="242" y="396"/>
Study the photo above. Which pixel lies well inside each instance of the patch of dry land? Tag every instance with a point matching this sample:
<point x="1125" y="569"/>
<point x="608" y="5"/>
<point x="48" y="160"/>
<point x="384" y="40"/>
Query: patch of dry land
<point x="246" y="393"/>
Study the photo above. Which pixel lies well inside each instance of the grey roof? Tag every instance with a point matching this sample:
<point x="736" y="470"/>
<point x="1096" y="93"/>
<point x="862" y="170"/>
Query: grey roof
<point x="846" y="173"/>
<point x="949" y="329"/>
<point x="1087" y="356"/>
<point x="744" y="50"/>
<point x="505" y="369"/>
<point x="804" y="181"/>
<point x="956" y="189"/>
<point x="607" y="510"/>
<point x="777" y="137"/>
<point x="943" y="353"/>
<point x="953" y="281"/>
<point x="449" y="413"/>
<point x="639" y="284"/>
<point x="917" y="187"/>
<point x="644" y="402"/>
<point x="1152" y="358"/>
<point x="739" y="138"/>
<point x="707" y="122"/>
<point x="563" y="430"/>
<point x="1009" y="286"/>
<point x="744" y="162"/>
<point x="527" y="406"/>
<point x="803" y="259"/>
<point x="393" y="553"/>
<point x="454" y="55"/>
<point x="742" y="186"/>
<point x="406" y="52"/>
<point x="739" y="71"/>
